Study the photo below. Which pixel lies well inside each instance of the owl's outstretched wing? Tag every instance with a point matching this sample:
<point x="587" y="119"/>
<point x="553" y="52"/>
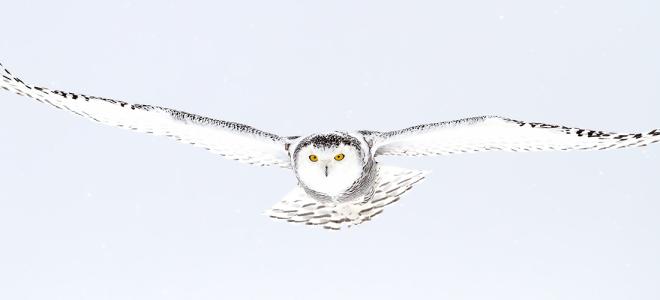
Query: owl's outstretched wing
<point x="231" y="140"/>
<point x="497" y="133"/>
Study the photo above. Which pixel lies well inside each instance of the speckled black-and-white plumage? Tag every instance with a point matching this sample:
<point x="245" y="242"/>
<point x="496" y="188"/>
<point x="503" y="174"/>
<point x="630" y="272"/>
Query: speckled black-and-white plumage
<point x="496" y="133"/>
<point x="231" y="140"/>
<point x="340" y="180"/>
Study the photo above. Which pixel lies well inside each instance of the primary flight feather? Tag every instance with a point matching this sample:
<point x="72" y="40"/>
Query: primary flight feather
<point x="340" y="181"/>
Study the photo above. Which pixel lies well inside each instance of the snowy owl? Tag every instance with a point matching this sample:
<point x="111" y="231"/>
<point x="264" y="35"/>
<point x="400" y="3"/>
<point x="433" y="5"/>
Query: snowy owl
<point x="340" y="182"/>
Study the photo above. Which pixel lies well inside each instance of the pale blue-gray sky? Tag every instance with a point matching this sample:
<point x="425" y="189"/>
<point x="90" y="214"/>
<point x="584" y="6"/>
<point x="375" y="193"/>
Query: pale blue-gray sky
<point x="94" y="212"/>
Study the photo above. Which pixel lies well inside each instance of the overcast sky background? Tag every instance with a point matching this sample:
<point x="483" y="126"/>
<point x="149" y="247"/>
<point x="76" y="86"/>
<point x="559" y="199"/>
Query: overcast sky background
<point x="94" y="212"/>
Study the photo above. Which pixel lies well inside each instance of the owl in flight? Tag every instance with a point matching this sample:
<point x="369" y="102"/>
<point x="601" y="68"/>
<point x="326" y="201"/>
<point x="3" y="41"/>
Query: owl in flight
<point x="340" y="182"/>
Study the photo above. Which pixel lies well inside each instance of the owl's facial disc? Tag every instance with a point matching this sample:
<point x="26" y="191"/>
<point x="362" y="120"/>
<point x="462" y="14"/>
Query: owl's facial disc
<point x="329" y="169"/>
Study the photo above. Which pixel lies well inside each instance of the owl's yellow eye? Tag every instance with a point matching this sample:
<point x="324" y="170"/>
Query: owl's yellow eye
<point x="339" y="156"/>
<point x="313" y="158"/>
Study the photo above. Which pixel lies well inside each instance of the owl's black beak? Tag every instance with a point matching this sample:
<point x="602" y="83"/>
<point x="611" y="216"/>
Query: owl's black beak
<point x="326" y="171"/>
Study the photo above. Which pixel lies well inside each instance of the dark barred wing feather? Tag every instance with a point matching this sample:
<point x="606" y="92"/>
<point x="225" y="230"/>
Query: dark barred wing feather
<point x="496" y="133"/>
<point x="231" y="140"/>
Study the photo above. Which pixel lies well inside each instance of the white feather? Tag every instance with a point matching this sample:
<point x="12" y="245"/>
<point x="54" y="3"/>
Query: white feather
<point x="391" y="183"/>
<point x="231" y="140"/>
<point x="340" y="175"/>
<point x="496" y="133"/>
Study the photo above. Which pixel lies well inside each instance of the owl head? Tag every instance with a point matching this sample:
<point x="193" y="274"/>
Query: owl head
<point x="329" y="163"/>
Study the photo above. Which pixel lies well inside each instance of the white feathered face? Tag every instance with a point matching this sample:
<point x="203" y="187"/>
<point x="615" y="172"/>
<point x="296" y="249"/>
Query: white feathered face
<point x="329" y="169"/>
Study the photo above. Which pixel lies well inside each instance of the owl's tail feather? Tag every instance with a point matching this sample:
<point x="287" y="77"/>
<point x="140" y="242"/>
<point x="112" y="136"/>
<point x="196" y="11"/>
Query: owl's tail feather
<point x="391" y="183"/>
